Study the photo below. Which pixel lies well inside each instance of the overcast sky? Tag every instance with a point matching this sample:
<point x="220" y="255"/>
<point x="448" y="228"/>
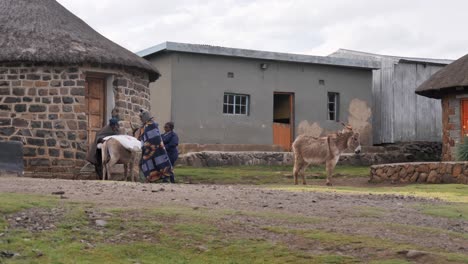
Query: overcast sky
<point x="430" y="28"/>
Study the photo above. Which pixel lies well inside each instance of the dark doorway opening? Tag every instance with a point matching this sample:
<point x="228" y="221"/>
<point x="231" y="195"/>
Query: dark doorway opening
<point x="283" y="119"/>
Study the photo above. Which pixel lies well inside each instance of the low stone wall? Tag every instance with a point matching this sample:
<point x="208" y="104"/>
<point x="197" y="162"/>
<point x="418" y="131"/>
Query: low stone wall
<point x="192" y="147"/>
<point x="421" y="172"/>
<point x="214" y="158"/>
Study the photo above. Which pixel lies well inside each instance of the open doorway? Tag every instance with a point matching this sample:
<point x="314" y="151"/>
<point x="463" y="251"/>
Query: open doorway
<point x="283" y="119"/>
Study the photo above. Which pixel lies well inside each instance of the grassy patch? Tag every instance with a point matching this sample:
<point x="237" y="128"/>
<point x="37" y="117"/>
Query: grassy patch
<point x="144" y="236"/>
<point x="447" y="192"/>
<point x="259" y="174"/>
<point x="456" y="210"/>
<point x="13" y="202"/>
<point x="287" y="218"/>
<point x="418" y="230"/>
<point x="355" y="242"/>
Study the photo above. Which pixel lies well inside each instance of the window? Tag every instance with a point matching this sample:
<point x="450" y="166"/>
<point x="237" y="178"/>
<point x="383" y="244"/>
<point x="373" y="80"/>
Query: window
<point x="236" y="104"/>
<point x="333" y="106"/>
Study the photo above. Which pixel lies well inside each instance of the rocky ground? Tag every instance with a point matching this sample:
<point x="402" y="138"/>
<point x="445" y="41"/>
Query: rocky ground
<point x="393" y="217"/>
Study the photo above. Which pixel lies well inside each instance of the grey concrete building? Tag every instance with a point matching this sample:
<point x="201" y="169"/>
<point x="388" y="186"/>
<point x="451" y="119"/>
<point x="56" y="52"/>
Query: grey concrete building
<point x="400" y="115"/>
<point x="238" y="97"/>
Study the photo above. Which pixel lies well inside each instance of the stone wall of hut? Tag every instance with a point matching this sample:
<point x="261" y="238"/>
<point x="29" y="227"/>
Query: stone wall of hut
<point x="451" y="126"/>
<point x="44" y="107"/>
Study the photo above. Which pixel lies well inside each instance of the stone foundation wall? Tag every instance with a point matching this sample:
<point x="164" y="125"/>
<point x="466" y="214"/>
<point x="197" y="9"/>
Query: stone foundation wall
<point x="44" y="107"/>
<point x="421" y="172"/>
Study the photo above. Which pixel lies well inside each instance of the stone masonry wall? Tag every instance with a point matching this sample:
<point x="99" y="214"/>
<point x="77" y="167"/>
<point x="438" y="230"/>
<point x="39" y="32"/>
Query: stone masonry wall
<point x="421" y="172"/>
<point x="451" y="128"/>
<point x="44" y="107"/>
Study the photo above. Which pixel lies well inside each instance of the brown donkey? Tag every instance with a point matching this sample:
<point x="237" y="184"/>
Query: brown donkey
<point x="324" y="150"/>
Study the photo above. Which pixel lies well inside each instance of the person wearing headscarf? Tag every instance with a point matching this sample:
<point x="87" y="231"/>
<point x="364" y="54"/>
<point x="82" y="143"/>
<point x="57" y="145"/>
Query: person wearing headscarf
<point x="155" y="163"/>
<point x="94" y="155"/>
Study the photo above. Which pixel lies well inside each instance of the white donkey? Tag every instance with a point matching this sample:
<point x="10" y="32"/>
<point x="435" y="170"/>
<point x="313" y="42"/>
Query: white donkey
<point x="121" y="149"/>
<point x="324" y="150"/>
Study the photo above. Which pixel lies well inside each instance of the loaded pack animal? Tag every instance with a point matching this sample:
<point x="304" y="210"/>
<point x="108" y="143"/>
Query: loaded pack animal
<point x="323" y="150"/>
<point x="121" y="149"/>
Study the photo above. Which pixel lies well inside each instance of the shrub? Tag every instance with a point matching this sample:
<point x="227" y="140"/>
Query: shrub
<point x="462" y="150"/>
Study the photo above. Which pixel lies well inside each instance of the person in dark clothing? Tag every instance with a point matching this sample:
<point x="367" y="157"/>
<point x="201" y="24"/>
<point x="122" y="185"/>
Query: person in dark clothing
<point x="171" y="141"/>
<point x="94" y="155"/>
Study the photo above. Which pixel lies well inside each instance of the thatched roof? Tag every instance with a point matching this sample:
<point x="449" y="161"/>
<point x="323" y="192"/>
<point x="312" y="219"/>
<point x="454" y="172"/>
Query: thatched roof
<point x="447" y="79"/>
<point x="44" y="31"/>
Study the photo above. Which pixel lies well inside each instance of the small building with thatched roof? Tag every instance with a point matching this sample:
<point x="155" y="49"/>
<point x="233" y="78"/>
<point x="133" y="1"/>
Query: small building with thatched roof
<point x="60" y="81"/>
<point x="450" y="84"/>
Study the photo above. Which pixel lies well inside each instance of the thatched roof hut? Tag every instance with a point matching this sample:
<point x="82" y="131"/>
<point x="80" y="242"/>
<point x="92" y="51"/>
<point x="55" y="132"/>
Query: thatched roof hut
<point x="45" y="31"/>
<point x="448" y="79"/>
<point x="450" y="84"/>
<point x="60" y="82"/>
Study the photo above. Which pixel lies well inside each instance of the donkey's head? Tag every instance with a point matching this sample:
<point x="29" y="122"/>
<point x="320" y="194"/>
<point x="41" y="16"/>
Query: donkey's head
<point x="354" y="140"/>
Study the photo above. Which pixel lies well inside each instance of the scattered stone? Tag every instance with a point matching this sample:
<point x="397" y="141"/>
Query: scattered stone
<point x="101" y="223"/>
<point x="415" y="254"/>
<point x="38" y="253"/>
<point x="7" y="254"/>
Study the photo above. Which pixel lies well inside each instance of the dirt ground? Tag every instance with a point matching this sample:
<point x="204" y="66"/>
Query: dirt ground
<point x="345" y="213"/>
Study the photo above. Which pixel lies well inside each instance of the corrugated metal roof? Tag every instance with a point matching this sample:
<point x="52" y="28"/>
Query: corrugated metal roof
<point x="257" y="54"/>
<point x="396" y="58"/>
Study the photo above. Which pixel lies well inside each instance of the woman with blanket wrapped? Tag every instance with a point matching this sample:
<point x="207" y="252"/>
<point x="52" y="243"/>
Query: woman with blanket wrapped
<point x="155" y="163"/>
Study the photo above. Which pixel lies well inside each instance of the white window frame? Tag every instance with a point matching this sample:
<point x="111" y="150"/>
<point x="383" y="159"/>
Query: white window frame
<point x="234" y="104"/>
<point x="336" y="106"/>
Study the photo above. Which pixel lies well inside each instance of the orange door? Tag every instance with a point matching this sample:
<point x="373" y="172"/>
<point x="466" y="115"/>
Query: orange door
<point x="95" y="104"/>
<point x="465" y="117"/>
<point x="282" y="135"/>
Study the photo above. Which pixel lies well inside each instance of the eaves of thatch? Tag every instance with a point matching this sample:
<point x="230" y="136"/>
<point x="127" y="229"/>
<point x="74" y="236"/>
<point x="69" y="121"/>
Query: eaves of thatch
<point x="45" y="31"/>
<point x="450" y="78"/>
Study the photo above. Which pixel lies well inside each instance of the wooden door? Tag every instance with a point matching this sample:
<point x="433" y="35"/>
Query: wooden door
<point x="283" y="120"/>
<point x="95" y="106"/>
<point x="464" y="117"/>
<point x="282" y="135"/>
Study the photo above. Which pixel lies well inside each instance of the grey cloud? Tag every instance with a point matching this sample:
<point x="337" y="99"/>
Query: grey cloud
<point x="408" y="28"/>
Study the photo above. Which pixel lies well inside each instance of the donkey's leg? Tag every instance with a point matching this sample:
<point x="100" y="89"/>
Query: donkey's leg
<point x="110" y="163"/>
<point x="304" y="168"/>
<point x="104" y="160"/>
<point x="298" y="163"/>
<point x="330" y="166"/>
<point x="125" y="171"/>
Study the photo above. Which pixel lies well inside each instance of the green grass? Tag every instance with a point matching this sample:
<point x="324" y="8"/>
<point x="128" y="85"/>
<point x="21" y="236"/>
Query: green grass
<point x="355" y="242"/>
<point x="447" y="192"/>
<point x="455" y="211"/>
<point x="259" y="174"/>
<point x="176" y="235"/>
<point x="12" y="202"/>
<point x="180" y="235"/>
